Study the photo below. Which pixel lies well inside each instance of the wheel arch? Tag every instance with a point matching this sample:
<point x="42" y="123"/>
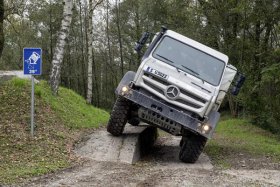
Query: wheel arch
<point x="126" y="80"/>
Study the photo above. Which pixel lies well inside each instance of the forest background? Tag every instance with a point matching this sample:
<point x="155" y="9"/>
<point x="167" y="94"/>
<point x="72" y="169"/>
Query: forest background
<point x="102" y="35"/>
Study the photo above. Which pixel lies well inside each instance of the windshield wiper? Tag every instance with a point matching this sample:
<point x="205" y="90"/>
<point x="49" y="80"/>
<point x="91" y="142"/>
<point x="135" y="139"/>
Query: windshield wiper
<point x="194" y="72"/>
<point x="165" y="58"/>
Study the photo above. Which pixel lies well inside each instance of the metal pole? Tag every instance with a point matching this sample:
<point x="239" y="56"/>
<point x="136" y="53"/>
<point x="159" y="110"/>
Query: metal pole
<point x="32" y="106"/>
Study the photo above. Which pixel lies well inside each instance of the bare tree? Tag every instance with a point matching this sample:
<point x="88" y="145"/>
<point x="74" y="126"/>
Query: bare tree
<point x="90" y="58"/>
<point x="1" y="26"/>
<point x="82" y="38"/>
<point x="119" y="35"/>
<point x="59" y="49"/>
<point x="90" y="48"/>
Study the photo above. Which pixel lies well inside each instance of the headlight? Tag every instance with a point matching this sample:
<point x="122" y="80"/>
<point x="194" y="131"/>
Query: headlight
<point x="125" y="90"/>
<point x="205" y="128"/>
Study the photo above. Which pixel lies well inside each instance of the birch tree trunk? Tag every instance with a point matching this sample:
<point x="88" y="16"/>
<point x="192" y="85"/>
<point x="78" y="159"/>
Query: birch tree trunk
<point x="59" y="49"/>
<point x="1" y="26"/>
<point x="90" y="41"/>
<point x="90" y="48"/>
<point x="83" y="66"/>
<point x="119" y="35"/>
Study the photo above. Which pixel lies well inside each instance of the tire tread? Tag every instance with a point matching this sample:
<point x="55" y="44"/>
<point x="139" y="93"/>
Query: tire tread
<point x="118" y="117"/>
<point x="191" y="148"/>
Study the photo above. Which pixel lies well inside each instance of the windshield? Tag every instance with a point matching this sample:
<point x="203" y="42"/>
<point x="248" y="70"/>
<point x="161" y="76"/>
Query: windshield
<point x="190" y="60"/>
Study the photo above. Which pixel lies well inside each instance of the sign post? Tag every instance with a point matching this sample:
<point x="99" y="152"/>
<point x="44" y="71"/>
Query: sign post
<point x="32" y="65"/>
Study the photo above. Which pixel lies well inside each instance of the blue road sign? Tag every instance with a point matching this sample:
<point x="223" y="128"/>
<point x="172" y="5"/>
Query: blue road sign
<point x="32" y="61"/>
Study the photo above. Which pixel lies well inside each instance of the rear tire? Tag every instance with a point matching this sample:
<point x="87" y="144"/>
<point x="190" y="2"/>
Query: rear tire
<point x="134" y="121"/>
<point x="118" y="116"/>
<point x="147" y="139"/>
<point x="191" y="148"/>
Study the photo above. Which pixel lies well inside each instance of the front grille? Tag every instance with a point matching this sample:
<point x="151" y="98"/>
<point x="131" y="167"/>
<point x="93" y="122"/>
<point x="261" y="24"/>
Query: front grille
<point x="154" y="87"/>
<point x="192" y="96"/>
<point x="188" y="103"/>
<point x="159" y="89"/>
<point x="164" y="82"/>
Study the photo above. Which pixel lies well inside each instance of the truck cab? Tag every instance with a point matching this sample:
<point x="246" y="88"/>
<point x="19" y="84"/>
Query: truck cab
<point x="193" y="70"/>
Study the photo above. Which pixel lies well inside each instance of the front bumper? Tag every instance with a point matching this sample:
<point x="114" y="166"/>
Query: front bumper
<point x="161" y="109"/>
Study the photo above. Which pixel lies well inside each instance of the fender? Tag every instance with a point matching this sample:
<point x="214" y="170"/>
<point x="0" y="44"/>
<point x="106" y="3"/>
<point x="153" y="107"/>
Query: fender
<point x="213" y="119"/>
<point x="126" y="80"/>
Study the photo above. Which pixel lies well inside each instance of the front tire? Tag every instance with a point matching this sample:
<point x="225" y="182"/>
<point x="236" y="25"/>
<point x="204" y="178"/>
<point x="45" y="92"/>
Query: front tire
<point x="118" y="116"/>
<point x="191" y="148"/>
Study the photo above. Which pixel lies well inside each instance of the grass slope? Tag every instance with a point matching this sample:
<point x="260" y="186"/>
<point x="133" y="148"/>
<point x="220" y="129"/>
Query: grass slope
<point x="59" y="121"/>
<point x="72" y="108"/>
<point x="237" y="143"/>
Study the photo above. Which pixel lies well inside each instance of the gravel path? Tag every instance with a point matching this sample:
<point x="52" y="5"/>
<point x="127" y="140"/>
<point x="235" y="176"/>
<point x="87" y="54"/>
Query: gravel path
<point x="160" y="167"/>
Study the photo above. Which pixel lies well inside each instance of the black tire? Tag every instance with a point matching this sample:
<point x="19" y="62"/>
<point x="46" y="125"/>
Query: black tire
<point x="181" y="142"/>
<point x="151" y="135"/>
<point x="191" y="147"/>
<point x="118" y="116"/>
<point x="134" y="121"/>
<point x="147" y="139"/>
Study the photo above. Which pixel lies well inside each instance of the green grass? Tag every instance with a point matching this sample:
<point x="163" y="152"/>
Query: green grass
<point x="59" y="122"/>
<point x="235" y="136"/>
<point x="72" y="108"/>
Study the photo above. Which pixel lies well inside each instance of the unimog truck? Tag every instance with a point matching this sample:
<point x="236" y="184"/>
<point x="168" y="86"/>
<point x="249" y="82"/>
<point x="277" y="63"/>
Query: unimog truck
<point x="178" y="87"/>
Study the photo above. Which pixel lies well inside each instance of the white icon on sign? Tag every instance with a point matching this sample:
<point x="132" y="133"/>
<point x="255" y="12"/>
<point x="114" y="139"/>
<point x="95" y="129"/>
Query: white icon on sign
<point x="32" y="60"/>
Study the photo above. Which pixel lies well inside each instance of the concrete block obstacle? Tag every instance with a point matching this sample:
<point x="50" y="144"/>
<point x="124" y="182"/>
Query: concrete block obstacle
<point x="127" y="148"/>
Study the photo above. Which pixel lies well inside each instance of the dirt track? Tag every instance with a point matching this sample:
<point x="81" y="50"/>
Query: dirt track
<point x="159" y="168"/>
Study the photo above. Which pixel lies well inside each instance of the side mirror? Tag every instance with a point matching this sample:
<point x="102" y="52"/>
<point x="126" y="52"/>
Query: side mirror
<point x="238" y="84"/>
<point x="139" y="45"/>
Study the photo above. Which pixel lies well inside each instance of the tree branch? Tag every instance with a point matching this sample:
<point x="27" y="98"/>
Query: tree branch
<point x="98" y="3"/>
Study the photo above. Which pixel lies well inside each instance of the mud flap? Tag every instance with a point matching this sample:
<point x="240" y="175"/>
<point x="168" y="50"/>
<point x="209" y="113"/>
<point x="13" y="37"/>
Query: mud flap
<point x="213" y="119"/>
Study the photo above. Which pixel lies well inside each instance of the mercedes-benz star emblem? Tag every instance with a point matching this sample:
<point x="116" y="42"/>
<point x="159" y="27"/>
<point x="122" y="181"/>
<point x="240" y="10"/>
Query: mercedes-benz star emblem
<point x="172" y="92"/>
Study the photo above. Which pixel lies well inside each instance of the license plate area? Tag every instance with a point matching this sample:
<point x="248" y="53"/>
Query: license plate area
<point x="156" y="73"/>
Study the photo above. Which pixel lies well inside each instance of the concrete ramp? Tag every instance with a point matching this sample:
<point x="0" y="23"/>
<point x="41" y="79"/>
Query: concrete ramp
<point x="102" y="146"/>
<point x="136" y="143"/>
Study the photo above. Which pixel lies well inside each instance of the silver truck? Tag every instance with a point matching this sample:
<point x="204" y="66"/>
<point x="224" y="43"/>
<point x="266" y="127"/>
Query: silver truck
<point x="178" y="87"/>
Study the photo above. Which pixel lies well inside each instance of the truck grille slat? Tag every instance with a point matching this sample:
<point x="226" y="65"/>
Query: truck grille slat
<point x="188" y="103"/>
<point x="192" y="96"/>
<point x="164" y="82"/>
<point x="154" y="87"/>
<point x="179" y="100"/>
